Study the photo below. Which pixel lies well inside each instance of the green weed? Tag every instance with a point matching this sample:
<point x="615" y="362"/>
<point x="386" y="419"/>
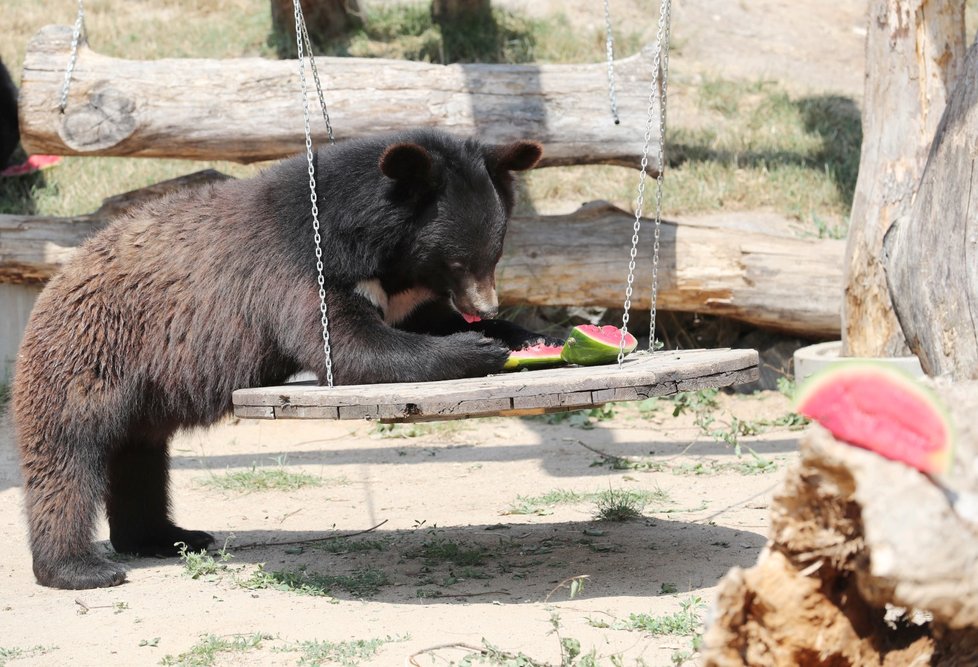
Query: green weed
<point x="205" y="651"/>
<point x="686" y="621"/>
<point x="441" y="550"/>
<point x="620" y="504"/>
<point x="542" y="505"/>
<point x="15" y="653"/>
<point x="361" y="583"/>
<point x="199" y="564"/>
<point x="348" y="653"/>
<point x="256" y="479"/>
<point x="344" y="545"/>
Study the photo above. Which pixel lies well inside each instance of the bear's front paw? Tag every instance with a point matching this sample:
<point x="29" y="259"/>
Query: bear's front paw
<point x="472" y="354"/>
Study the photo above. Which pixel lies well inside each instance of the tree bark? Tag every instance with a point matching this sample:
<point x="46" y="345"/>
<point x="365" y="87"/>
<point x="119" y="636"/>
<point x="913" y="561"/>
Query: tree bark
<point x="932" y="255"/>
<point x="853" y="536"/>
<point x="452" y="11"/>
<point x="914" y="50"/>
<point x="755" y="273"/>
<point x="324" y="18"/>
<point x="249" y="109"/>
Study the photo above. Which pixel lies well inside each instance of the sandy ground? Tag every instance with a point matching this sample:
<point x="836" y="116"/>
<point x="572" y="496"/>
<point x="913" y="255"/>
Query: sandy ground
<point x="454" y="564"/>
<point x="451" y="563"/>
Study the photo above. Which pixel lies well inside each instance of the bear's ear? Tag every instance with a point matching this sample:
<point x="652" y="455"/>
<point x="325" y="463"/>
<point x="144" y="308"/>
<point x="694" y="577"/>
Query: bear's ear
<point x="406" y="161"/>
<point x="517" y="156"/>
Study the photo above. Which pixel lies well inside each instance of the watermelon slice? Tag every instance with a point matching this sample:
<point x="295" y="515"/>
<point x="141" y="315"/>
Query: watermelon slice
<point x="877" y="407"/>
<point x="535" y="356"/>
<point x="590" y="345"/>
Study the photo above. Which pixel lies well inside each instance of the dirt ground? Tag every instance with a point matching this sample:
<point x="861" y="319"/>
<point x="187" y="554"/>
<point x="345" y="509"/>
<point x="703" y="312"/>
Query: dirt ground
<point x="473" y="541"/>
<point x="452" y="563"/>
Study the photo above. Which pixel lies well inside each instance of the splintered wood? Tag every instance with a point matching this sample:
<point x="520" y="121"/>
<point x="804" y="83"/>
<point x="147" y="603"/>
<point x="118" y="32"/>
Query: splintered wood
<point x="509" y="394"/>
<point x="869" y="562"/>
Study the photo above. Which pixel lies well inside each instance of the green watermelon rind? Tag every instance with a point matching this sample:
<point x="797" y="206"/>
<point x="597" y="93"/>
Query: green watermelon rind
<point x="515" y="362"/>
<point x="824" y="377"/>
<point x="584" y="350"/>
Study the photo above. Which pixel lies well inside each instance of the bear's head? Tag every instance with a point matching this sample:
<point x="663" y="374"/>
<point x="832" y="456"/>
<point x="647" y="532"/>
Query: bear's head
<point x="461" y="196"/>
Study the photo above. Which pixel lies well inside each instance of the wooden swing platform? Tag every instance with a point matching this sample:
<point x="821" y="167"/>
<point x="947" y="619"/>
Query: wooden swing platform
<point x="641" y="376"/>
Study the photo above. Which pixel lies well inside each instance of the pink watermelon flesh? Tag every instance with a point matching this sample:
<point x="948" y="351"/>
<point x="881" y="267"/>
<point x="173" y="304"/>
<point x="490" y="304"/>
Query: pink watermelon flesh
<point x="535" y="356"/>
<point x="882" y="410"/>
<point x="609" y="335"/>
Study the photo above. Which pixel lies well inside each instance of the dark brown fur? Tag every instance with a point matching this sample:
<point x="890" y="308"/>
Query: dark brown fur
<point x="163" y="314"/>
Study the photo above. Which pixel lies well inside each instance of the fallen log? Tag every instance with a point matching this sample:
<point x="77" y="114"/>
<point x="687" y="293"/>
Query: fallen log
<point x="869" y="562"/>
<point x="930" y="260"/>
<point x="33" y="248"/>
<point x="249" y="109"/>
<point x="763" y="277"/>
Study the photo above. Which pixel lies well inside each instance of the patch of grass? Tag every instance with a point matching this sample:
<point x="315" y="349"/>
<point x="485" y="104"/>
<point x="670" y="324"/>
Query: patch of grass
<point x="205" y="652"/>
<point x="199" y="564"/>
<point x="348" y="653"/>
<point x="744" y="145"/>
<point x="408" y="32"/>
<point x="419" y="430"/>
<point x="361" y="583"/>
<point x="687" y="621"/>
<point x="272" y="478"/>
<point x="16" y="653"/>
<point x="584" y="419"/>
<point x="703" y="400"/>
<point x="623" y="504"/>
<point x="345" y="545"/>
<point x="441" y="550"/>
<point x="542" y="505"/>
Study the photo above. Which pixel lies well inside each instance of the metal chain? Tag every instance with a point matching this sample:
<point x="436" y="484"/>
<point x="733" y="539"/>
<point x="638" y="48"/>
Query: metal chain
<point x="661" y="46"/>
<point x="299" y="29"/>
<point x="609" y="45"/>
<point x="658" y="178"/>
<point x="73" y="57"/>
<point x="315" y="76"/>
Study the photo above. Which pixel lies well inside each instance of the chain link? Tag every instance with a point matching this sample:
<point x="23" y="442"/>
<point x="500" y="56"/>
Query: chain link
<point x="315" y="76"/>
<point x="655" y="94"/>
<point x="299" y="33"/>
<point x="76" y="33"/>
<point x="609" y="45"/>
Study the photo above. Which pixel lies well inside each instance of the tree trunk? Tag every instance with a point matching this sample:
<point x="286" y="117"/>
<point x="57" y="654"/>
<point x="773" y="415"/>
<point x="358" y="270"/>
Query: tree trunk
<point x="453" y="11"/>
<point x="249" y="109"/>
<point x="324" y="18"/>
<point x="932" y="255"/>
<point x="753" y="273"/>
<point x="914" y="50"/>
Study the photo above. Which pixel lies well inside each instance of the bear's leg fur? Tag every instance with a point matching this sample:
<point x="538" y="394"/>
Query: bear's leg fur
<point x="63" y="488"/>
<point x="139" y="505"/>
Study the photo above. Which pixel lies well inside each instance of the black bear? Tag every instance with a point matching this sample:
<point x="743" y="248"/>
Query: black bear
<point x="9" y="129"/>
<point x="162" y="314"/>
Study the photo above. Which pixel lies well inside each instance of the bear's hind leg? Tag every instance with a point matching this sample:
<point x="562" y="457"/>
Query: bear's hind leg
<point x="139" y="506"/>
<point x="62" y="497"/>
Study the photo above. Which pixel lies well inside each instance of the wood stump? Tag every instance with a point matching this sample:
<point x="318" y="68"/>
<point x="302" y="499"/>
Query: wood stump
<point x="869" y="562"/>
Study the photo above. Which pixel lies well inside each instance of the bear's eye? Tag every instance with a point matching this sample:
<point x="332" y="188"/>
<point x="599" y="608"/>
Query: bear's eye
<point x="456" y="266"/>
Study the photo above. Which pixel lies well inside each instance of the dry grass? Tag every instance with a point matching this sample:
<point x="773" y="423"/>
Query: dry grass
<point x="733" y="144"/>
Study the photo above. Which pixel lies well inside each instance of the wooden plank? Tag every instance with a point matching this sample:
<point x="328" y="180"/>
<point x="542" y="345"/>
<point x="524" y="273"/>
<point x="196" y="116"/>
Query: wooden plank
<point x="641" y="376"/>
<point x="220" y="109"/>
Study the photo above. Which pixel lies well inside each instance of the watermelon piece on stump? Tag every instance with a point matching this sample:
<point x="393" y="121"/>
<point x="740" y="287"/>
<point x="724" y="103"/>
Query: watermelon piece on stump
<point x="590" y="345"/>
<point x="877" y="407"/>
